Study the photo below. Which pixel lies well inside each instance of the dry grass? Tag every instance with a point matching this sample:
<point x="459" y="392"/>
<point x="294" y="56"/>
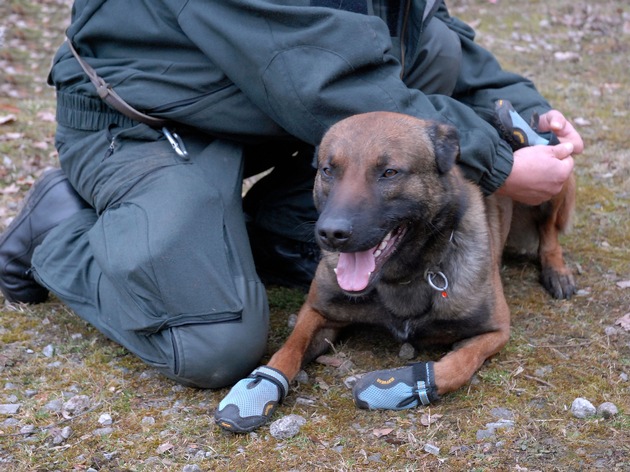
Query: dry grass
<point x="559" y="349"/>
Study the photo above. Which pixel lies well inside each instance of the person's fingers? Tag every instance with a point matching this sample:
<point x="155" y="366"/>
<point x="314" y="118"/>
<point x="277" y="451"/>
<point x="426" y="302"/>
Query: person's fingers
<point x="552" y="121"/>
<point x="562" y="150"/>
<point x="555" y="121"/>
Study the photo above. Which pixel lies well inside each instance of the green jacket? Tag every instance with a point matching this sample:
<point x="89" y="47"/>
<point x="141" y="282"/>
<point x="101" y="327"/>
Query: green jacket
<point x="250" y="69"/>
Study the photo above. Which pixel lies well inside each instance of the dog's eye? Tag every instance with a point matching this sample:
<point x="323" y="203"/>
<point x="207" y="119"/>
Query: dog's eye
<point x="327" y="171"/>
<point x="390" y="173"/>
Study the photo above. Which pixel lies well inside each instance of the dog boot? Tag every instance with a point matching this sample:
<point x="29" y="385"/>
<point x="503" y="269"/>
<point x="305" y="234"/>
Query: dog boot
<point x="396" y="389"/>
<point x="251" y="402"/>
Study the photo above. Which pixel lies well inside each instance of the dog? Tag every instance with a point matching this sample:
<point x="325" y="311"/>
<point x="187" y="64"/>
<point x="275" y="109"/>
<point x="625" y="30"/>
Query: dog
<point x="408" y="244"/>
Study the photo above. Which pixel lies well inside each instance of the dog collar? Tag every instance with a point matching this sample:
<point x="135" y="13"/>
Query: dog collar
<point x="437" y="281"/>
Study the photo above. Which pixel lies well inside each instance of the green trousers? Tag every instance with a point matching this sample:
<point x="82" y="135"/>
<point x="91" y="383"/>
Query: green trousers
<point x="162" y="264"/>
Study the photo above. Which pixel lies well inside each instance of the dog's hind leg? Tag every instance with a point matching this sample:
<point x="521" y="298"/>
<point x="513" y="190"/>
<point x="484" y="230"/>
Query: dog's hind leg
<point x="555" y="276"/>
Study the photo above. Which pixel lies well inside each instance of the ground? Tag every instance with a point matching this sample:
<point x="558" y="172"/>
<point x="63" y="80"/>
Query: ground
<point x="577" y="53"/>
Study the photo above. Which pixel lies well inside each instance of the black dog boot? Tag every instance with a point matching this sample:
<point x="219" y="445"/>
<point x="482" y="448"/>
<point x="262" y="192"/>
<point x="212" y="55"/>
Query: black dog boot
<point x="48" y="203"/>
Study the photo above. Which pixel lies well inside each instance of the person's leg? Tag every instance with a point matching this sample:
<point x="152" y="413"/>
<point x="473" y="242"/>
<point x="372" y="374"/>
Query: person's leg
<point x="163" y="265"/>
<point x="281" y="214"/>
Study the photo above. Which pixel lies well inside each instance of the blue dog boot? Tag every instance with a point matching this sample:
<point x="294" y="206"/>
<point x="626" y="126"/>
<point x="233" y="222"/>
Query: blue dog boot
<point x="251" y="402"/>
<point x="396" y="389"/>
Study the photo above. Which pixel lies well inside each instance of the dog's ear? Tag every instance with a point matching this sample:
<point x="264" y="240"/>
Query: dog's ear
<point x="446" y="146"/>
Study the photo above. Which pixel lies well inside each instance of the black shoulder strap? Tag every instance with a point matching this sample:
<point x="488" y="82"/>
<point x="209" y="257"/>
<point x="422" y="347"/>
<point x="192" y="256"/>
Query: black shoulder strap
<point x="107" y="93"/>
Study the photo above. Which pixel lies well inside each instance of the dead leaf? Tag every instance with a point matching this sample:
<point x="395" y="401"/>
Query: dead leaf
<point x="562" y="56"/>
<point x="624" y="284"/>
<point x="162" y="448"/>
<point x="624" y="322"/>
<point x="47" y="116"/>
<point x="428" y="419"/>
<point x="330" y="361"/>
<point x="380" y="432"/>
<point x="10" y="189"/>
<point x="10" y="136"/>
<point x="7" y="119"/>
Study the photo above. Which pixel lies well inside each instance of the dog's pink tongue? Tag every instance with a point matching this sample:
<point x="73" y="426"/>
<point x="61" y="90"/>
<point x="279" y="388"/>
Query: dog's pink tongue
<point x="354" y="269"/>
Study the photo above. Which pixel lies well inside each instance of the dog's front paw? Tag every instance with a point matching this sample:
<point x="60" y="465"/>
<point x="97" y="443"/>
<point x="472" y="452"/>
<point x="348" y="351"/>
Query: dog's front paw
<point x="396" y="389"/>
<point x="251" y="402"/>
<point x="559" y="283"/>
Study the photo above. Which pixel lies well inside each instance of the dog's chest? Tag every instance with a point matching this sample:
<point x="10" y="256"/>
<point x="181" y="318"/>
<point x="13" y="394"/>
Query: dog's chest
<point x="413" y="312"/>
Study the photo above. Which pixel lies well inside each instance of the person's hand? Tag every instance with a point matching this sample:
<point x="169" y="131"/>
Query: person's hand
<point x="538" y="173"/>
<point x="555" y="121"/>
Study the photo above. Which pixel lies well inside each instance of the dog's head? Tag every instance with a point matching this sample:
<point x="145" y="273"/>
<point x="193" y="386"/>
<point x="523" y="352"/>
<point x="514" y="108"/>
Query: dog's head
<point x="381" y="175"/>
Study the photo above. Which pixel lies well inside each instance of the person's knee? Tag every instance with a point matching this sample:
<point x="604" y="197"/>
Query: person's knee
<point x="215" y="355"/>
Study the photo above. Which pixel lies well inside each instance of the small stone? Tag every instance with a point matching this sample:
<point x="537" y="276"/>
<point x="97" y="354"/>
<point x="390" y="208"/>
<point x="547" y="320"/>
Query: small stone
<point x="543" y="371"/>
<point x="607" y="410"/>
<point x="103" y="431"/>
<point x="305" y="401"/>
<point x="105" y="419"/>
<point x="66" y="432"/>
<point x="407" y="352"/>
<point x="30" y="393"/>
<point x="9" y="408"/>
<point x="582" y="408"/>
<point x="431" y="449"/>
<point x="611" y="331"/>
<point x="350" y="382"/>
<point x="502" y="413"/>
<point x="27" y="429"/>
<point x="191" y="468"/>
<point x="54" y="406"/>
<point x="148" y="420"/>
<point x="286" y="427"/>
<point x="48" y="351"/>
<point x="301" y="377"/>
<point x="484" y="434"/>
<point x="292" y="320"/>
<point x="77" y="404"/>
<point x="501" y="424"/>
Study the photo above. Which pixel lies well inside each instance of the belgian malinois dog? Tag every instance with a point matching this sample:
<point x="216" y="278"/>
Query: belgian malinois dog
<point x="410" y="245"/>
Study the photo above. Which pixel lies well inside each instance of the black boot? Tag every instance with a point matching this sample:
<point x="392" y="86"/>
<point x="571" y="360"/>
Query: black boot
<point x="48" y="203"/>
<point x="283" y="261"/>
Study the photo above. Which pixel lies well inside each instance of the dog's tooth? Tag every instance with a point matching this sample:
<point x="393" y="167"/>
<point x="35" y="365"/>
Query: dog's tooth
<point x="383" y="245"/>
<point x="377" y="253"/>
<point x="335" y="270"/>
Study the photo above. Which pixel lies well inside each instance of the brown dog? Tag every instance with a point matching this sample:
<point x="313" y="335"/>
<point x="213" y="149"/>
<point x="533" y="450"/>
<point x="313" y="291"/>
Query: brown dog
<point x="408" y="244"/>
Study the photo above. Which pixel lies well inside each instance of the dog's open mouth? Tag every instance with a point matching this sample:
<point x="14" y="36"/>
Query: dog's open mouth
<point x="355" y="270"/>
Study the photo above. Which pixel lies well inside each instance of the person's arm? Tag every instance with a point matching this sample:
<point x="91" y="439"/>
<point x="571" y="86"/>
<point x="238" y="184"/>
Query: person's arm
<point x="539" y="172"/>
<point x="308" y="68"/>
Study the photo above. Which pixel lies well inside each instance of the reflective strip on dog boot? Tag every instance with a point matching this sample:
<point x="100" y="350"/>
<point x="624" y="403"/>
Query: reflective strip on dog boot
<point x="396" y="389"/>
<point x="251" y="401"/>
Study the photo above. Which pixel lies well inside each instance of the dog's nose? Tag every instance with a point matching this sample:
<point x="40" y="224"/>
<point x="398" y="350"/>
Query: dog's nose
<point x="334" y="232"/>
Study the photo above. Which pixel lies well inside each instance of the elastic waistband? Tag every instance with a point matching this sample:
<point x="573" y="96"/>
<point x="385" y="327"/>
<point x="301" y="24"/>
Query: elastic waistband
<point x="88" y="113"/>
